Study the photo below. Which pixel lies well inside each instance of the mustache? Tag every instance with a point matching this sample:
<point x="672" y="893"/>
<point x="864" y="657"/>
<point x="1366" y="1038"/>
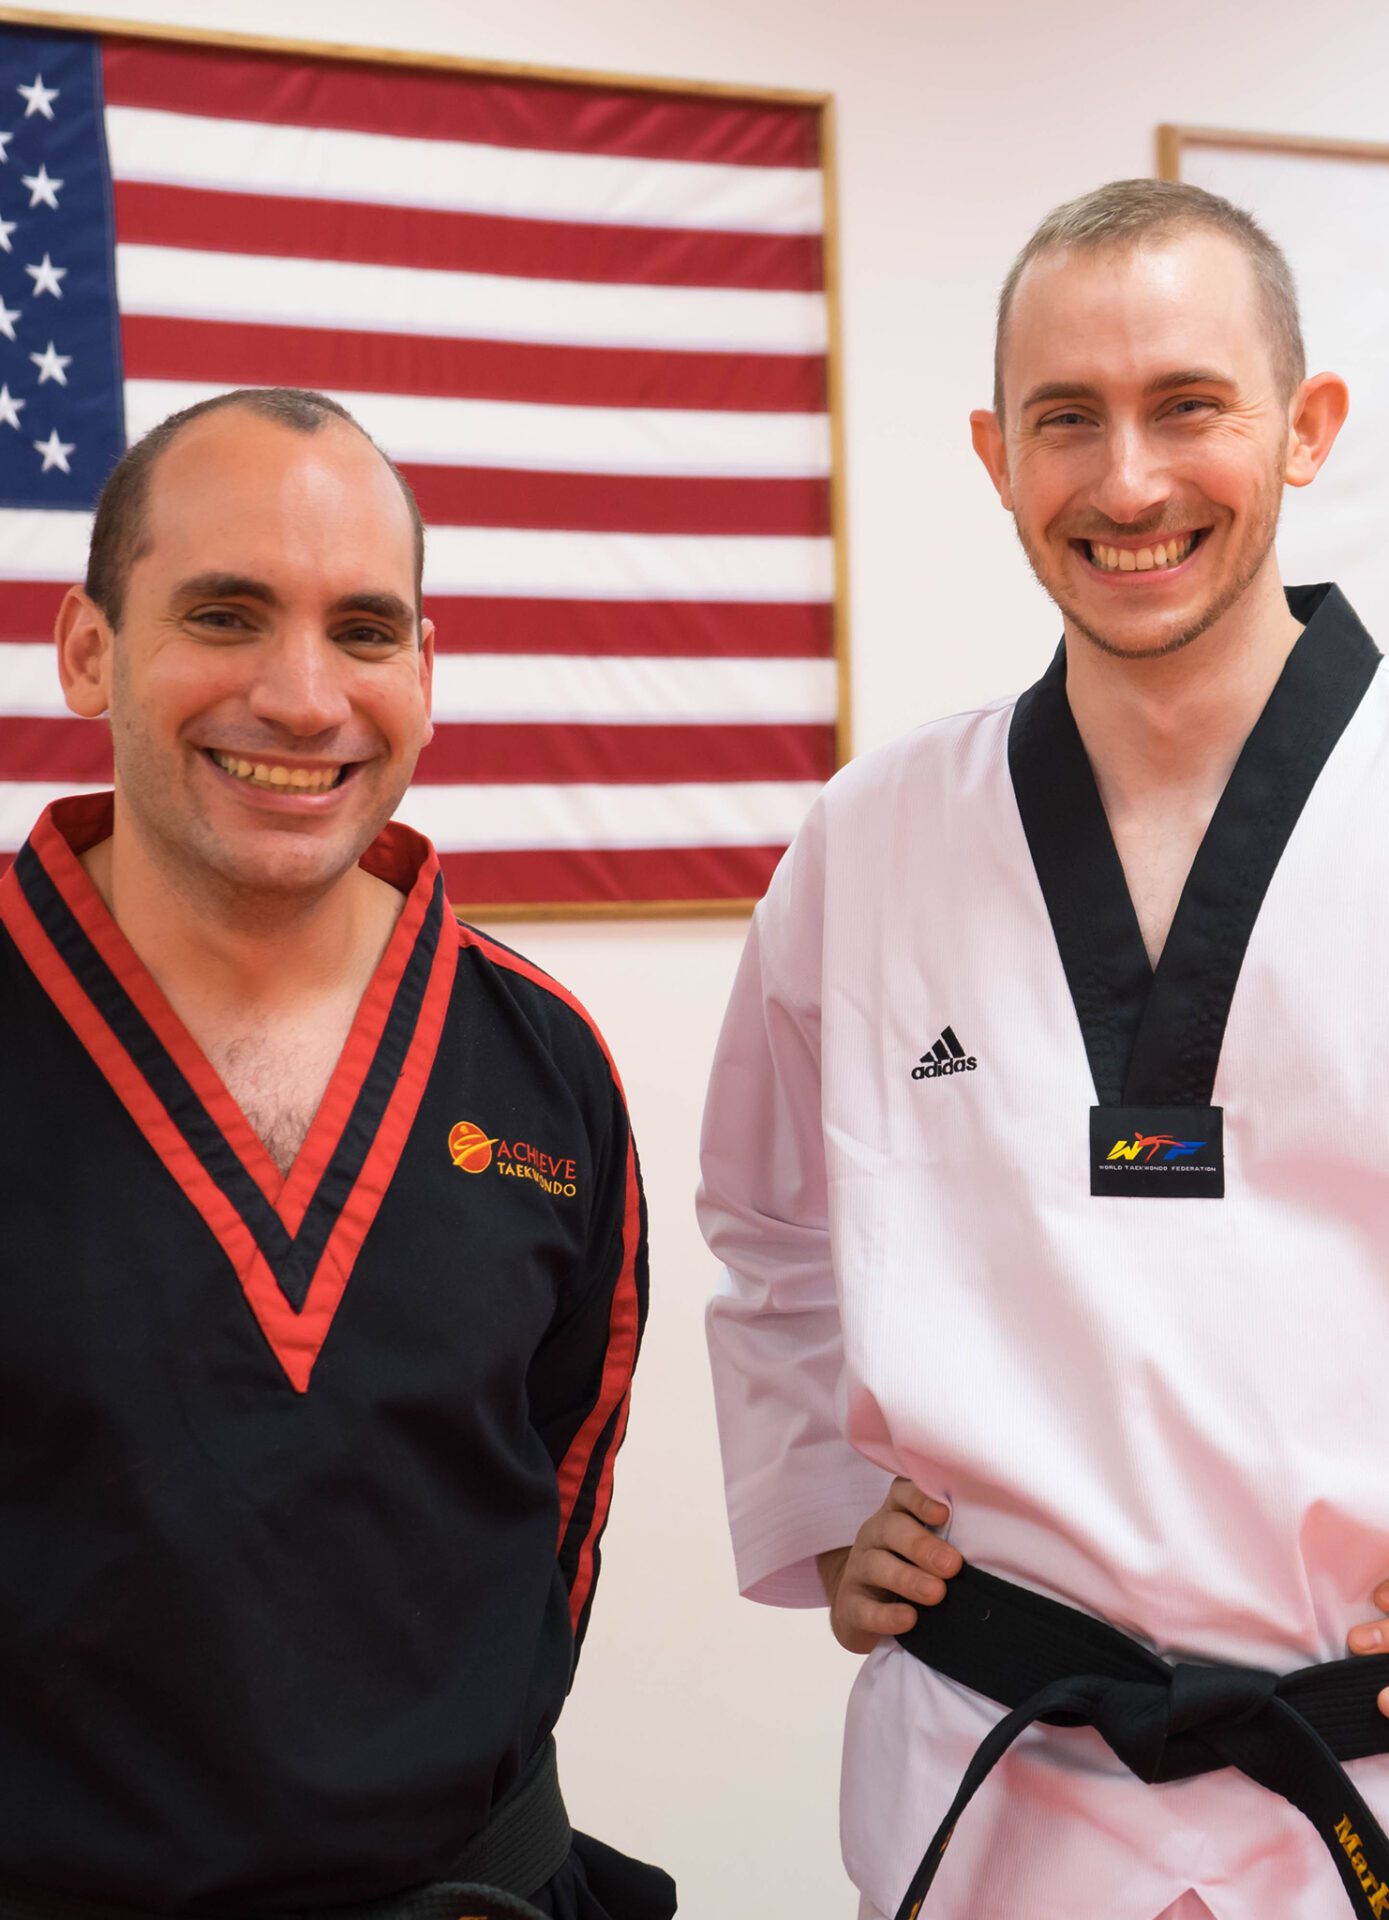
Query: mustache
<point x="1162" y="528"/>
<point x="310" y="747"/>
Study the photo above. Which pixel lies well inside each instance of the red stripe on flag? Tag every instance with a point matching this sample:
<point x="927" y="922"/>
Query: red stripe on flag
<point x="616" y="876"/>
<point x="680" y="629"/>
<point x="469" y="752"/>
<point x="618" y="502"/>
<point x="164" y="216"/>
<point x="227" y="353"/>
<point x="609" y="874"/>
<point x="474" y="623"/>
<point x="28" y="609"/>
<point x="56" y="750"/>
<point x="424" y="103"/>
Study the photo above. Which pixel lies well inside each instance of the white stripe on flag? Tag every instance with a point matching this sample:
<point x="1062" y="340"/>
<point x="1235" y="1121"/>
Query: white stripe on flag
<point x="507" y="563"/>
<point x="464" y="818"/>
<point x="29" y="686"/>
<point x="42" y="543"/>
<point x="493" y="433"/>
<point x="179" y="283"/>
<point x="545" y="688"/>
<point x="238" y="156"/>
<point x="21" y="803"/>
<point x="521" y="563"/>
<point x="659" y="691"/>
<point x="749" y="813"/>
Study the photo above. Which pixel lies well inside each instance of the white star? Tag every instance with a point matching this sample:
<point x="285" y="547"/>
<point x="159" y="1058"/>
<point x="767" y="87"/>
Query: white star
<point x="7" y="227"/>
<point x="39" y="97"/>
<point x="51" y="365"/>
<point x="5" y="139"/>
<point x="10" y="408"/>
<point x="44" y="188"/>
<point x="46" y="278"/>
<point x="8" y="316"/>
<point x="55" y="452"/>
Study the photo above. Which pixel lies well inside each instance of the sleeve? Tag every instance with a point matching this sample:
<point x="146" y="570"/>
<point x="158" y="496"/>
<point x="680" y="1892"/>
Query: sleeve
<point x="580" y="1380"/>
<point x="795" y="1486"/>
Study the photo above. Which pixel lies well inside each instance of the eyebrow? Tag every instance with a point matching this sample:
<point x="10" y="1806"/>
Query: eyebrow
<point x="386" y="606"/>
<point x="241" y="586"/>
<point x="1162" y="383"/>
<point x="225" y="586"/>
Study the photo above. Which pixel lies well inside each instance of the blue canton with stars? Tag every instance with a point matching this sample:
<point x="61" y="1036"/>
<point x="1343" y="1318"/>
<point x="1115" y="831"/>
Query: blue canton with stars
<point x="62" y="414"/>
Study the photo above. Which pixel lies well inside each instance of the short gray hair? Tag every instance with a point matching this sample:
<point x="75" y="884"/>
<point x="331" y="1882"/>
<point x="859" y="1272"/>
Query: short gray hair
<point x="1125" y="214"/>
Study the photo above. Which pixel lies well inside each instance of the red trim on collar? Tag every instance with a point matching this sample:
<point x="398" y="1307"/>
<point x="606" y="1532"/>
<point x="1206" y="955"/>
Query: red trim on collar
<point x="302" y="1335"/>
<point x="404" y="859"/>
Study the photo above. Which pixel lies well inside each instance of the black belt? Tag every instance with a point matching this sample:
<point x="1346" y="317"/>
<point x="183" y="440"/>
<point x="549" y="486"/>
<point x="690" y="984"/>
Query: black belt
<point x="525" y="1843"/>
<point x="1048" y="1662"/>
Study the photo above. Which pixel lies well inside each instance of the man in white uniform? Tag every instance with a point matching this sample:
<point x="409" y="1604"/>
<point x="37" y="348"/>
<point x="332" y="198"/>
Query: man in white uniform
<point x="1046" y="1152"/>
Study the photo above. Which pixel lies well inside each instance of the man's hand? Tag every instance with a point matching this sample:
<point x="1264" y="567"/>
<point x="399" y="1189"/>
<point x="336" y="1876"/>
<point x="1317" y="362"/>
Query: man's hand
<point x="1373" y="1637"/>
<point x="894" y="1558"/>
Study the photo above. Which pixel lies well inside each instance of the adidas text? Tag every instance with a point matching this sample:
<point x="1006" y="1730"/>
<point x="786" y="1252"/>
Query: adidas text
<point x="937" y="1069"/>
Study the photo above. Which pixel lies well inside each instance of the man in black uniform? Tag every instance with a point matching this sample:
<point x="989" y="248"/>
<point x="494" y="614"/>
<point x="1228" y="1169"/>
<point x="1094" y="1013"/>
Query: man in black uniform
<point x="324" y="1266"/>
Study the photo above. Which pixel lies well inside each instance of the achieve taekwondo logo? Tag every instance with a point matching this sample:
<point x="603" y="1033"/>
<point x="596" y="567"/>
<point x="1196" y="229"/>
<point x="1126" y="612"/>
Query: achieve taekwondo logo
<point x="475" y="1151"/>
<point x="1150" y="1145"/>
<point x="470" y="1147"/>
<point x="947" y="1056"/>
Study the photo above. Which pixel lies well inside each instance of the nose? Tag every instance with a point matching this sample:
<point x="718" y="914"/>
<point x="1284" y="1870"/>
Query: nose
<point x="300" y="686"/>
<point x="1134" y="484"/>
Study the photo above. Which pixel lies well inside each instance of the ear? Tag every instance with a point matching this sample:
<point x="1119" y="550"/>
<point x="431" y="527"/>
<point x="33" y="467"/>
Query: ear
<point x="1317" y="414"/>
<point x="85" y="641"/>
<point x="987" y="435"/>
<point x="427" y="677"/>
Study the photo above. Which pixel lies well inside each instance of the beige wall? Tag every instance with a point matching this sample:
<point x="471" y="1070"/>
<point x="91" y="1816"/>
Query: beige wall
<point x="703" y="1730"/>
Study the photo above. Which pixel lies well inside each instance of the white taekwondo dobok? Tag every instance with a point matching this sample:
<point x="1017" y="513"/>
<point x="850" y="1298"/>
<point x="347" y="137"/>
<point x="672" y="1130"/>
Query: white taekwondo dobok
<point x="1145" y="1385"/>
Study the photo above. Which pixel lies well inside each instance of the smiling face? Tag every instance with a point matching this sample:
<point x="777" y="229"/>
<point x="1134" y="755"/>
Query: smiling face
<point x="1146" y="438"/>
<point x="269" y="693"/>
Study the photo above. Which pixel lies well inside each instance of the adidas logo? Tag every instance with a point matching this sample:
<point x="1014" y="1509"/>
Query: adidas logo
<point x="946" y="1056"/>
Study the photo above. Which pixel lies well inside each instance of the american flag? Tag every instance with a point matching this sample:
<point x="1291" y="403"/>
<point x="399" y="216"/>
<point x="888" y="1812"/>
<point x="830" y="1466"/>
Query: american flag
<point x="589" y="322"/>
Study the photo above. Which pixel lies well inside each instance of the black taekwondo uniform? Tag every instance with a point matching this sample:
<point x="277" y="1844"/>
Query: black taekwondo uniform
<point x="303" y="1478"/>
<point x="1099" y="1255"/>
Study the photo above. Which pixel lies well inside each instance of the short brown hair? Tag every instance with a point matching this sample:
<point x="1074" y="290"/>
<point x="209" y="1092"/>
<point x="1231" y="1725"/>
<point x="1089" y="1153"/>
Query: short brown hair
<point x="120" y="535"/>
<point x="1127" y="212"/>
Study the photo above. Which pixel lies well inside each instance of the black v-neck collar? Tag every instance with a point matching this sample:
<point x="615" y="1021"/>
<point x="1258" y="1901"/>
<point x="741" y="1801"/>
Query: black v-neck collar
<point x="292" y="1258"/>
<point x="291" y="1239"/>
<point x="1154" y="1037"/>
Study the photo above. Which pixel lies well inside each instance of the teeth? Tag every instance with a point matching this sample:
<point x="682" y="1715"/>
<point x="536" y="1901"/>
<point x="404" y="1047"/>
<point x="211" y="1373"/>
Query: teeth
<point x="302" y="779"/>
<point x="1125" y="560"/>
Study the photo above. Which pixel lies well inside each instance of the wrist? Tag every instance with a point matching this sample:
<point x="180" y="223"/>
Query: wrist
<point x="830" y="1565"/>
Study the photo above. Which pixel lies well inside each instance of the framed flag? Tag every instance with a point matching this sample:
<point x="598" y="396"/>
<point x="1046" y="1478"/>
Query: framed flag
<point x="592" y="319"/>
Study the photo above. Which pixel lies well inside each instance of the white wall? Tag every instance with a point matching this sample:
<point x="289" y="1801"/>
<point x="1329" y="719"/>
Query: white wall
<point x="703" y="1730"/>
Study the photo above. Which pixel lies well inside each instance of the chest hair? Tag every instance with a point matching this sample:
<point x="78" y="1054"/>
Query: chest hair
<point x="278" y="1075"/>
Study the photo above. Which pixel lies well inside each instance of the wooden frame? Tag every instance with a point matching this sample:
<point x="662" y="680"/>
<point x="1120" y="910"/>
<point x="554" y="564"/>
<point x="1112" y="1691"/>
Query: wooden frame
<point x="1173" y="140"/>
<point x="576" y="77"/>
